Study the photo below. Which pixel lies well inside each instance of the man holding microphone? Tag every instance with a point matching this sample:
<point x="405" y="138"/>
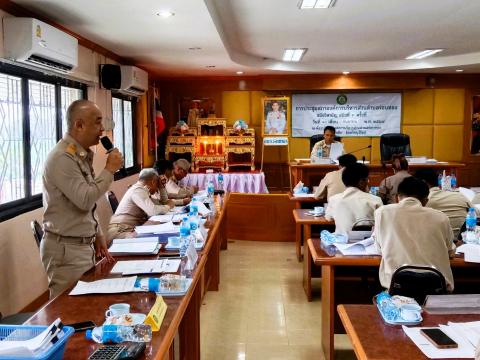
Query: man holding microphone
<point x="72" y="235"/>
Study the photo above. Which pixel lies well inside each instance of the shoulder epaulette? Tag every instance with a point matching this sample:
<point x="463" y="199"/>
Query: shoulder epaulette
<point x="71" y="149"/>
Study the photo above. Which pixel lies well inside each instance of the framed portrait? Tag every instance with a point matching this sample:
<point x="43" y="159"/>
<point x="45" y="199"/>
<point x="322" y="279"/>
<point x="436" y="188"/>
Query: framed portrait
<point x="276" y="116"/>
<point x="475" y="134"/>
<point x="190" y="109"/>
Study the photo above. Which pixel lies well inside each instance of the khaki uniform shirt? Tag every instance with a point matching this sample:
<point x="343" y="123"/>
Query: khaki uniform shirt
<point x="408" y="233"/>
<point x="351" y="207"/>
<point x="320" y="145"/>
<point x="452" y="204"/>
<point x="389" y="187"/>
<point x="177" y="191"/>
<point x="330" y="185"/>
<point x="70" y="190"/>
<point x="137" y="205"/>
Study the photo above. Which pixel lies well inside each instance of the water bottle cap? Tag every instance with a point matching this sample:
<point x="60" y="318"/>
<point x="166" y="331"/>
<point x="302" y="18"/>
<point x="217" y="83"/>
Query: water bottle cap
<point x="88" y="334"/>
<point x="471" y="209"/>
<point x="185" y="218"/>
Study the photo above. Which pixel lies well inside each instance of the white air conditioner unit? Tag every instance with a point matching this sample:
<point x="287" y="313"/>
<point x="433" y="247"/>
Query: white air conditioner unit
<point x="134" y="80"/>
<point x="33" y="42"/>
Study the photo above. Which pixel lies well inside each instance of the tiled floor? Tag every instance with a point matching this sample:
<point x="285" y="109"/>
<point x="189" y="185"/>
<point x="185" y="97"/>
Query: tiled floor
<point x="261" y="311"/>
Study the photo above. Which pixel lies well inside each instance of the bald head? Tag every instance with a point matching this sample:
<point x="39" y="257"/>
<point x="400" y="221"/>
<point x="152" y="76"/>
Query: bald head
<point x="85" y="123"/>
<point x="78" y="110"/>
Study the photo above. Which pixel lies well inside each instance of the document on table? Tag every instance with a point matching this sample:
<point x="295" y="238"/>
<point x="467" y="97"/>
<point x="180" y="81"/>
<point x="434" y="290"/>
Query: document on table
<point x="303" y="195"/>
<point x="364" y="247"/>
<point x="166" y="218"/>
<point x="468" y="193"/>
<point x="132" y="267"/>
<point x="168" y="227"/>
<point x="135" y="246"/>
<point x="202" y="209"/>
<point x="336" y="150"/>
<point x="105" y="286"/>
<point x="465" y="348"/>
<point x="177" y="210"/>
<point x="471" y="252"/>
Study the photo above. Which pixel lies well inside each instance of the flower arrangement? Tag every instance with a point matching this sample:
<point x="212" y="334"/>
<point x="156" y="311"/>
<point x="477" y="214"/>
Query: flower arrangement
<point x="240" y="126"/>
<point x="182" y="126"/>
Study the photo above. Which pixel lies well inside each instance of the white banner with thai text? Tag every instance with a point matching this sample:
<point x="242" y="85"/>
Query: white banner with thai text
<point x="366" y="114"/>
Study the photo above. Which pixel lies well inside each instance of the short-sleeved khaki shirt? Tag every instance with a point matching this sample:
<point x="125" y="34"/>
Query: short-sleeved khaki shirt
<point x="70" y="190"/>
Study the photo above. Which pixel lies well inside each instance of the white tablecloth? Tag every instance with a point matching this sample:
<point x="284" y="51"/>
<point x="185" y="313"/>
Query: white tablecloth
<point x="232" y="182"/>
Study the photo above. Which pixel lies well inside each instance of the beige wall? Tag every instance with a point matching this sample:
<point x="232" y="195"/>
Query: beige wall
<point x="23" y="278"/>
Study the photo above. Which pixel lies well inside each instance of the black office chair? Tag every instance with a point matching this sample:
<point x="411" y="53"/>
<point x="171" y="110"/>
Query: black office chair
<point x="417" y="282"/>
<point x="37" y="231"/>
<point x="363" y="225"/>
<point x="112" y="199"/>
<point x="391" y="144"/>
<point x="319" y="137"/>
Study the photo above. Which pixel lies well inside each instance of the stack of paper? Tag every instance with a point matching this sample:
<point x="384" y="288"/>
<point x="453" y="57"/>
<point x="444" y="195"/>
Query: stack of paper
<point x="135" y="246"/>
<point x="364" y="247"/>
<point x="146" y="266"/>
<point x="303" y="195"/>
<point x="166" y="218"/>
<point x="105" y="286"/>
<point x="453" y="304"/>
<point x="12" y="346"/>
<point x="471" y="252"/>
<point x="168" y="227"/>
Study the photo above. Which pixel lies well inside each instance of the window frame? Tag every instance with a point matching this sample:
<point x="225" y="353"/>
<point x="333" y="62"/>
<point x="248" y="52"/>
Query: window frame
<point x="31" y="202"/>
<point x="125" y="172"/>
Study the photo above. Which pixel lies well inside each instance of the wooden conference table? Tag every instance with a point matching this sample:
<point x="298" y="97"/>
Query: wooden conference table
<point x="336" y="267"/>
<point x="311" y="174"/>
<point x="374" y="339"/>
<point x="182" y="316"/>
<point x="303" y="225"/>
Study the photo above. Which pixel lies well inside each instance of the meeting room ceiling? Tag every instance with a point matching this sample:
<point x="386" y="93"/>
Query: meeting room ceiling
<point x="221" y="37"/>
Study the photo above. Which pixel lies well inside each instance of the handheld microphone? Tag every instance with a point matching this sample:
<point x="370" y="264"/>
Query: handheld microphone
<point x="107" y="144"/>
<point x="364" y="148"/>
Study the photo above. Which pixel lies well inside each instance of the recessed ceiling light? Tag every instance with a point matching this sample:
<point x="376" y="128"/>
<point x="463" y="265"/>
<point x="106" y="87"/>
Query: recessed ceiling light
<point x="345" y="72"/>
<point x="239" y="72"/>
<point x="459" y="70"/>
<point x="316" y="4"/>
<point x="195" y="48"/>
<point x="210" y="66"/>
<point x="165" y="14"/>
<point x="293" y="54"/>
<point x="423" y="54"/>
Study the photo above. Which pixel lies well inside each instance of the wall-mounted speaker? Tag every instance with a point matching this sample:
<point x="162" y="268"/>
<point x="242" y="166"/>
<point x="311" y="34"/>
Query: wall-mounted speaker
<point x="110" y="76"/>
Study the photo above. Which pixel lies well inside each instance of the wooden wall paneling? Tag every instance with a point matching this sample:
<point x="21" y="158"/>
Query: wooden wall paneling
<point x="260" y="217"/>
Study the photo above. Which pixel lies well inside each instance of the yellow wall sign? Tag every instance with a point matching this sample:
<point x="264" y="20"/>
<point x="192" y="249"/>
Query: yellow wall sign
<point x="39" y="31"/>
<point x="156" y="314"/>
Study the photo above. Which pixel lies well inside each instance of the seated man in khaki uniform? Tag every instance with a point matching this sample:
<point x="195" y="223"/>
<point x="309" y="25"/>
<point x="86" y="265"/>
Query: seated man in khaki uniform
<point x="412" y="234"/>
<point x="332" y="183"/>
<point x="355" y="206"/>
<point x="323" y="145"/>
<point x="451" y="203"/>
<point x="72" y="235"/>
<point x="138" y="204"/>
<point x="174" y="189"/>
<point x="165" y="170"/>
<point x="388" y="187"/>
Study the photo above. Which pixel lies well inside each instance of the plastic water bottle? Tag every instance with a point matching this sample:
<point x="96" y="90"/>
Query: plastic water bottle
<point x="388" y="309"/>
<point x="220" y="181"/>
<point x="194" y="206"/>
<point x="210" y="189"/>
<point x="320" y="153"/>
<point x="120" y="333"/>
<point x="184" y="236"/>
<point x="193" y="220"/>
<point x="471" y="222"/>
<point x="453" y="181"/>
<point x="440" y="180"/>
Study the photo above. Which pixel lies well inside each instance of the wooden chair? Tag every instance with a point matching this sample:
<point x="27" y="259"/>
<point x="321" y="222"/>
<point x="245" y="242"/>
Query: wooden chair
<point x="37" y="231"/>
<point x="112" y="200"/>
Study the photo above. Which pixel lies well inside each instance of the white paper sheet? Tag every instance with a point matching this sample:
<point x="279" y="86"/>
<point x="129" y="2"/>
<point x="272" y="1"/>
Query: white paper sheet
<point x="202" y="209"/>
<point x="141" y="245"/>
<point x="471" y="252"/>
<point x="105" y="286"/>
<point x="166" y="218"/>
<point x="364" y="247"/>
<point x="157" y="229"/>
<point x="464" y="350"/>
<point x="192" y="256"/>
<point x="132" y="267"/>
<point x="303" y="195"/>
<point x="468" y="193"/>
<point x="336" y="150"/>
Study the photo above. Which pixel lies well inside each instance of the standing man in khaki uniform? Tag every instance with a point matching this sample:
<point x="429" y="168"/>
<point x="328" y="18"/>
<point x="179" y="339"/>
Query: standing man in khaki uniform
<point x="72" y="235"/>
